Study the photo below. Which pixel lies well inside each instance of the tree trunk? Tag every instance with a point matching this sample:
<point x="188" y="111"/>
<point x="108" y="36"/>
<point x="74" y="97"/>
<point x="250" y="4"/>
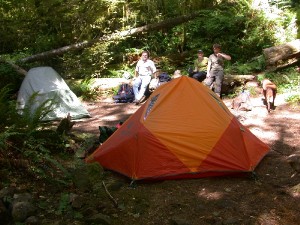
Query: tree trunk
<point x="115" y="36"/>
<point x="282" y="55"/>
<point x="232" y="82"/>
<point x="17" y="68"/>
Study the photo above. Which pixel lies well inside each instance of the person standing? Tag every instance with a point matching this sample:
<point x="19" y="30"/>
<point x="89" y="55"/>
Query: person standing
<point x="144" y="70"/>
<point x="215" y="69"/>
<point x="200" y="67"/>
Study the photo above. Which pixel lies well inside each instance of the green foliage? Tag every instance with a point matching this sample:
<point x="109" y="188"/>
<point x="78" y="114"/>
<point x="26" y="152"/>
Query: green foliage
<point x="255" y="65"/>
<point x="64" y="204"/>
<point x="84" y="89"/>
<point x="25" y="141"/>
<point x="241" y="30"/>
<point x="32" y="116"/>
<point x="166" y="65"/>
<point x="9" y="77"/>
<point x="294" y="99"/>
<point x="287" y="80"/>
<point x="4" y="103"/>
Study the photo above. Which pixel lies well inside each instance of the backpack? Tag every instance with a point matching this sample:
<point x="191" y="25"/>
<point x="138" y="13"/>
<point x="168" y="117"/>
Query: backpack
<point x="156" y="82"/>
<point x="124" y="94"/>
<point x="164" y="77"/>
<point x="106" y="132"/>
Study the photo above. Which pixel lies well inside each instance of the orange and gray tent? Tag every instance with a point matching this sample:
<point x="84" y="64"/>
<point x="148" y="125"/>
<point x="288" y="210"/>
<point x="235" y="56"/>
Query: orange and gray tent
<point x="183" y="131"/>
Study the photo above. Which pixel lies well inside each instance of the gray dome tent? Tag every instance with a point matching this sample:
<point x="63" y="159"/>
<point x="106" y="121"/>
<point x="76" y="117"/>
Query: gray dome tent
<point x="48" y="87"/>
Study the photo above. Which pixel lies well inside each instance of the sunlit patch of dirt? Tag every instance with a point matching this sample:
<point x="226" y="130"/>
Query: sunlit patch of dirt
<point x="269" y="197"/>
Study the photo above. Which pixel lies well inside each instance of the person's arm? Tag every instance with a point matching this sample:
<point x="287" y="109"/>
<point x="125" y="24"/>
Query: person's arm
<point x="136" y="71"/>
<point x="195" y="66"/>
<point x="208" y="68"/>
<point x="225" y="56"/>
<point x="153" y="69"/>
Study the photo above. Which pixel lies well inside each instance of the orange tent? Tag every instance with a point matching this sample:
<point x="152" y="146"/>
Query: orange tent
<point x="183" y="131"/>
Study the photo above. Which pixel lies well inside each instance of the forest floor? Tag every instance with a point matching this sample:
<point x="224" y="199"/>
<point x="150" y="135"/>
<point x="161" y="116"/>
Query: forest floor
<point x="273" y="197"/>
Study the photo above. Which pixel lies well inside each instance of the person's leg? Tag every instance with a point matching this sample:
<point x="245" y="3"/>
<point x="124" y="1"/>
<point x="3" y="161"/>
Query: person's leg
<point x="202" y="76"/>
<point x="209" y="80"/>
<point x="136" y="85"/>
<point x="197" y="76"/>
<point x="218" y="83"/>
<point x="145" y="82"/>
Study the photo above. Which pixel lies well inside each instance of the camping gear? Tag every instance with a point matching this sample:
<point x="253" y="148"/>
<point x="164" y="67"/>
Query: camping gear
<point x="153" y="84"/>
<point x="106" y="132"/>
<point x="183" y="130"/>
<point x="124" y="94"/>
<point x="159" y="80"/>
<point x="47" y="86"/>
<point x="242" y="101"/>
<point x="164" y="77"/>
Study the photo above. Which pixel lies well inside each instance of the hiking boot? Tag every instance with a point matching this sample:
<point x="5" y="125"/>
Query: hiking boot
<point x="136" y="101"/>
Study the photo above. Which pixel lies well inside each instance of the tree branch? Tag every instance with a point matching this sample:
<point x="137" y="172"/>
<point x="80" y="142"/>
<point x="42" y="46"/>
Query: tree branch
<point x="17" y="68"/>
<point x="115" y="36"/>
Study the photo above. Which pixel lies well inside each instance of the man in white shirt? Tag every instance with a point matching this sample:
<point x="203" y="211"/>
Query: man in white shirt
<point x="144" y="70"/>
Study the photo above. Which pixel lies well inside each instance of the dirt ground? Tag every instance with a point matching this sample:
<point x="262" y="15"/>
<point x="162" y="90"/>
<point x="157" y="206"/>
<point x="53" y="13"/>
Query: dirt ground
<point x="272" y="197"/>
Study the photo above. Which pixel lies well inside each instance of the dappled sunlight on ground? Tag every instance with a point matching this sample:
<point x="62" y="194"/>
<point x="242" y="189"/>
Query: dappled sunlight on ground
<point x="269" y="127"/>
<point x="206" y="194"/>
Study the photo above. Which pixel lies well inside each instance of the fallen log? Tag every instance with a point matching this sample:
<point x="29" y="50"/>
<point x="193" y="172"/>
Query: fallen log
<point x="115" y="36"/>
<point x="17" y="68"/>
<point x="282" y="56"/>
<point x="232" y="82"/>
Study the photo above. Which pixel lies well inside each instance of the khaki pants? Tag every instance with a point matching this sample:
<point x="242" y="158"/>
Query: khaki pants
<point x="217" y="77"/>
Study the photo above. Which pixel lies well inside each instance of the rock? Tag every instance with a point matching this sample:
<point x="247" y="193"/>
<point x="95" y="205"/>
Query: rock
<point x="21" y="211"/>
<point x="7" y="192"/>
<point x="77" y="201"/>
<point x="23" y="197"/>
<point x="295" y="191"/>
<point x="85" y="176"/>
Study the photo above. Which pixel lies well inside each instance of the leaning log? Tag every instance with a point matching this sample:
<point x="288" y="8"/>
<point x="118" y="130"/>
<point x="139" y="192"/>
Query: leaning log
<point x="282" y="55"/>
<point x="115" y="36"/>
<point x="17" y="68"/>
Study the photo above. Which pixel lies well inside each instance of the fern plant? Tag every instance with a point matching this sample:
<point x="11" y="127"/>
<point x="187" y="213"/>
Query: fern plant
<point x="85" y="89"/>
<point x="25" y="141"/>
<point x="35" y="111"/>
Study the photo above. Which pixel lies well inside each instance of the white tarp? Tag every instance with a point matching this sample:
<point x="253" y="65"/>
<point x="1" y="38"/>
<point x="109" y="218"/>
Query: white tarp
<point x="49" y="85"/>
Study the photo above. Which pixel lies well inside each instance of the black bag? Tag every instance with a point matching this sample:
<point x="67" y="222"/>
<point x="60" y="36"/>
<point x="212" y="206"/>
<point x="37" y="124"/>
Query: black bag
<point x="191" y="72"/>
<point x="164" y="77"/>
<point x="105" y="133"/>
<point x="125" y="94"/>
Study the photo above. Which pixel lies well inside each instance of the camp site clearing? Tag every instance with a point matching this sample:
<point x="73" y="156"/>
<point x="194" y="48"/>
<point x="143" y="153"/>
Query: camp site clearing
<point x="271" y="196"/>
